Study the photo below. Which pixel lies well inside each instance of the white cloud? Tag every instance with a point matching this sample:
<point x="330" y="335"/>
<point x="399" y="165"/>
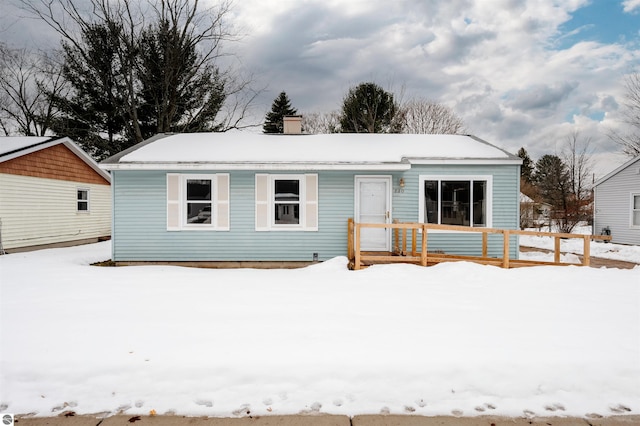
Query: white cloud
<point x="505" y="66"/>
<point x="631" y="6"/>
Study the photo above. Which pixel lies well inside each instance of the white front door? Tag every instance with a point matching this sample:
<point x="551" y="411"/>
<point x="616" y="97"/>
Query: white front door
<point x="373" y="205"/>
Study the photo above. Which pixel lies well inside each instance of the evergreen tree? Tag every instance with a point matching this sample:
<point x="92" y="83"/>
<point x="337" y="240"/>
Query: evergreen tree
<point x="274" y="120"/>
<point x="129" y="81"/>
<point x="526" y="170"/>
<point x="368" y="108"/>
<point x="552" y="179"/>
<point x="93" y="114"/>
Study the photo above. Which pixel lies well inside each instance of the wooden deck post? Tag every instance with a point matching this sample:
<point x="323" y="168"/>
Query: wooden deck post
<point x="396" y="242"/>
<point x="505" y="251"/>
<point x="414" y="241"/>
<point x="356" y="262"/>
<point x="404" y="242"/>
<point x="485" y="244"/>
<point x="556" y="250"/>
<point x="350" y="239"/>
<point x="423" y="253"/>
<point x="586" y="261"/>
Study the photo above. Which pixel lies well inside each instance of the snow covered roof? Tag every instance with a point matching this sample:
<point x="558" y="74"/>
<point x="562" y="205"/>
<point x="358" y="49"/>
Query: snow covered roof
<point x="9" y="144"/>
<point x="524" y="198"/>
<point x="16" y="146"/>
<point x="340" y="151"/>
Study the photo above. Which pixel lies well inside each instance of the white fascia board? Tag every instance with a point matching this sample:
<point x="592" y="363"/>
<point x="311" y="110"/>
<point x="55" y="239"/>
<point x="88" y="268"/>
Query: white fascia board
<point x="257" y="166"/>
<point x="468" y="161"/>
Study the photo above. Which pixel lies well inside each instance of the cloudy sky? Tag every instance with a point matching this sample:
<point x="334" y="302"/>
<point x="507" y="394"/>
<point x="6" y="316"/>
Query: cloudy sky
<point x="519" y="72"/>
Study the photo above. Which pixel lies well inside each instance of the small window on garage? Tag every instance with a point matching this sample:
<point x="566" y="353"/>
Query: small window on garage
<point x="82" y="200"/>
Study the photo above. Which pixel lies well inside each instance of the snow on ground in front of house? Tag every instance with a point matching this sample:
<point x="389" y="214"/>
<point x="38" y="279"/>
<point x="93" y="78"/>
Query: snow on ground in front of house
<point x="457" y="338"/>
<point x="627" y="253"/>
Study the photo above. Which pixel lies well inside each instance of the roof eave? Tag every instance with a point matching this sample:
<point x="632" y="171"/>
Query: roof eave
<point x="616" y="171"/>
<point x="255" y="166"/>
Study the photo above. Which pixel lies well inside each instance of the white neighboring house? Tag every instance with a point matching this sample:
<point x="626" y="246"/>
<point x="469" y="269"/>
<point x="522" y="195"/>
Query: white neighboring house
<point x="617" y="204"/>
<point x="52" y="193"/>
<point x="532" y="213"/>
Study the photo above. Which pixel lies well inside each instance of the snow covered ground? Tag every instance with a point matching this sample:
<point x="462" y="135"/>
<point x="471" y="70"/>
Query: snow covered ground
<point x="456" y="338"/>
<point x="601" y="249"/>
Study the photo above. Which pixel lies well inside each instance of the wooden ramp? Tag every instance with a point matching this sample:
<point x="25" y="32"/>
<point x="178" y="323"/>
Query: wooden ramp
<point x="406" y="249"/>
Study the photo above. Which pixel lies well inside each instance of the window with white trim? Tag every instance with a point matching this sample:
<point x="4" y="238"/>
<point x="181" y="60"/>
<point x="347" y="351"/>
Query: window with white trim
<point x="635" y="210"/>
<point x="456" y="200"/>
<point x="286" y="202"/>
<point x="197" y="201"/>
<point x="82" y="199"/>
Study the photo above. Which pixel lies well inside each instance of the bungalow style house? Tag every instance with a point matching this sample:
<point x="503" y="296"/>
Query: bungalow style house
<point x="248" y="197"/>
<point x="52" y="193"/>
<point x="617" y="204"/>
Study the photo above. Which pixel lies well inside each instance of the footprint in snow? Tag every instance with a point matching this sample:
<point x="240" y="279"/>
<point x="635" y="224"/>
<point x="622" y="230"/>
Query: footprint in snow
<point x="385" y="410"/>
<point x="3" y="407"/>
<point x="204" y="402"/>
<point x="123" y="408"/>
<point x="619" y="409"/>
<point x="283" y="396"/>
<point x="338" y="402"/>
<point x="139" y="403"/>
<point x="421" y="403"/>
<point x="554" y="407"/>
<point x="244" y="410"/>
<point x="529" y="413"/>
<point x="62" y="406"/>
<point x="267" y="401"/>
<point x="482" y="408"/>
<point x="316" y="406"/>
<point x="409" y="409"/>
<point x="593" y="416"/>
<point x="457" y="412"/>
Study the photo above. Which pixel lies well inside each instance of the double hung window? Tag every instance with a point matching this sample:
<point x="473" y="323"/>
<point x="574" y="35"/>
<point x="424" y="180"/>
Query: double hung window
<point x="286" y="202"/>
<point x="82" y="198"/>
<point x="197" y="202"/>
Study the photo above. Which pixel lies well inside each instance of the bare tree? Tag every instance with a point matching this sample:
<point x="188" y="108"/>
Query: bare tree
<point x="577" y="157"/>
<point x="28" y="86"/>
<point x="629" y="140"/>
<point x="321" y="122"/>
<point x="169" y="55"/>
<point x="426" y="117"/>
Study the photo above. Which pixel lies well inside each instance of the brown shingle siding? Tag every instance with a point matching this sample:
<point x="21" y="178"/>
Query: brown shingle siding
<point x="56" y="162"/>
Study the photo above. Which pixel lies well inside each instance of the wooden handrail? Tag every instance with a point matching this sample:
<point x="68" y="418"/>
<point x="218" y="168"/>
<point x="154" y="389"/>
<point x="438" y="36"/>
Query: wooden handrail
<point x="400" y="243"/>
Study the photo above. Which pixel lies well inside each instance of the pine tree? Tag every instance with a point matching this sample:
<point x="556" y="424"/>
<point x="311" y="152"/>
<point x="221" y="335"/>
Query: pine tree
<point x="368" y="108"/>
<point x="274" y="120"/>
<point x="526" y="170"/>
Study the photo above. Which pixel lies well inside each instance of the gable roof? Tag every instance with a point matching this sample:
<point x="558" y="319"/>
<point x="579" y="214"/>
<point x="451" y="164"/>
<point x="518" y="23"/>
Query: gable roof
<point x="618" y="170"/>
<point x="17" y="146"/>
<point x="238" y="150"/>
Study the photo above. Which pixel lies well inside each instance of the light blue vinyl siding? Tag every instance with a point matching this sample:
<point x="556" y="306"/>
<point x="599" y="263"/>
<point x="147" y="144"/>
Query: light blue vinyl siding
<point x="140" y="234"/>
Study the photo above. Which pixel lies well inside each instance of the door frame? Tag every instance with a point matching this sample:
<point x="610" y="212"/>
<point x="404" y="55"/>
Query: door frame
<point x="388" y="179"/>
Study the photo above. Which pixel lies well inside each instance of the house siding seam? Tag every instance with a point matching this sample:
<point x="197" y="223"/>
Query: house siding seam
<point x="56" y="162"/>
<point x="36" y="211"/>
<point x="613" y="205"/>
<point x="140" y="218"/>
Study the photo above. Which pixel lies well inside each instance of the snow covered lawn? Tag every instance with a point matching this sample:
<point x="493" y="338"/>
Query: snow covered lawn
<point x="454" y="338"/>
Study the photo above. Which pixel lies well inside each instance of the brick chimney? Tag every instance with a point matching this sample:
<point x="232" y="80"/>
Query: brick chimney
<point x="293" y="125"/>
